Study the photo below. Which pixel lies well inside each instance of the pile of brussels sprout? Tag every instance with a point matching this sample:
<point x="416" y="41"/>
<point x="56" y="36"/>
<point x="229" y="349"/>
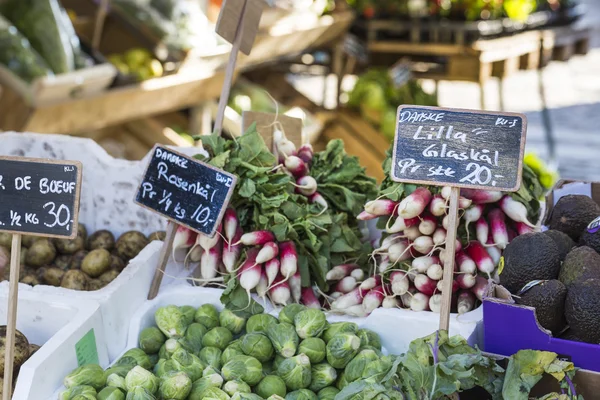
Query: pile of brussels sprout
<point x="203" y="354"/>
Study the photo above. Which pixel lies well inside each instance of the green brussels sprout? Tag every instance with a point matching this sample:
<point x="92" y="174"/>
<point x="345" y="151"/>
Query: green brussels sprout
<point x="211" y="356"/>
<point x="111" y="393"/>
<point x="201" y="385"/>
<point x="245" y="368"/>
<point x="377" y="351"/>
<point x="138" y="376"/>
<point x="151" y="339"/>
<point x="228" y="319"/>
<point x="257" y="345"/>
<point x="218" y="337"/>
<point x="322" y="375"/>
<point x="188" y="363"/>
<point x="87" y="375"/>
<point x="175" y="386"/>
<point x="314" y="348"/>
<point x="207" y="315"/>
<point x="121" y="367"/>
<point x="170" y="321"/>
<point x="268" y="368"/>
<point x="328" y="393"/>
<point x="163" y="366"/>
<point x="295" y="372"/>
<point x="377" y="369"/>
<point x="369" y="338"/>
<point x="234" y="349"/>
<point x="189" y="313"/>
<point x="341" y="349"/>
<point x="342" y="382"/>
<point x="233" y="387"/>
<point x="284" y="338"/>
<point x="192" y="341"/>
<point x="270" y="385"/>
<point x="275" y="397"/>
<point x="260" y="322"/>
<point x="140" y="393"/>
<point x="339" y="327"/>
<point x="209" y="371"/>
<point x="170" y="347"/>
<point x="246" y="396"/>
<point x="310" y="323"/>
<point x="139" y="356"/>
<point x="214" y="393"/>
<point x="355" y="368"/>
<point x="288" y="313"/>
<point x="302" y="394"/>
<point x="153" y="359"/>
<point x="116" y="381"/>
<point x="86" y="392"/>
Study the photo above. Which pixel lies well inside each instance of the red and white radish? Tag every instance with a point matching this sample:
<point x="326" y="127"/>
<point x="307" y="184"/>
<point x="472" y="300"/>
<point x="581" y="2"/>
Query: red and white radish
<point x="421" y="264"/>
<point x="296" y="166"/>
<point x="317" y="198"/>
<point x="414" y="204"/>
<point x="207" y="242"/>
<point x="446" y="222"/>
<point x="280" y="292"/>
<point x="464" y="203"/>
<point x="437" y="206"/>
<point x="390" y="302"/>
<point x="370" y="283"/>
<point x="381" y="207"/>
<point x="356" y="311"/>
<point x="498" y="227"/>
<point x="515" y="210"/>
<point x="423" y="244"/>
<point x="465" y="302"/>
<point x="305" y="152"/>
<point x="439" y="236"/>
<point x="306" y="185"/>
<point x="288" y="258"/>
<point x="412" y="232"/>
<point x="346" y="285"/>
<point x="399" y="251"/>
<point x="384" y="264"/>
<point x="358" y="274"/>
<point x="446" y="191"/>
<point x="481" y="196"/>
<point x="209" y="265"/>
<point x="194" y="255"/>
<point x="473" y="214"/>
<point x="230" y="225"/>
<point x="440" y="286"/>
<point x="336" y="295"/>
<point x="309" y="299"/>
<point x="494" y="252"/>
<point x="465" y="263"/>
<point x="184" y="238"/>
<point x="340" y="271"/>
<point x="269" y="251"/>
<point x="373" y="299"/>
<point x="296" y="286"/>
<point x="482" y="230"/>
<point x="435" y="303"/>
<point x="401" y="224"/>
<point x="523" y="228"/>
<point x="480" y="287"/>
<point x="271" y="270"/>
<point x="263" y="284"/>
<point x="425" y="285"/>
<point x="400" y="283"/>
<point x="365" y="216"/>
<point x="482" y="259"/>
<point x="284" y="147"/>
<point x="428" y="225"/>
<point x="465" y="281"/>
<point x="353" y="298"/>
<point x="257" y="238"/>
<point x="249" y="273"/>
<point x="419" y="302"/>
<point x="435" y="272"/>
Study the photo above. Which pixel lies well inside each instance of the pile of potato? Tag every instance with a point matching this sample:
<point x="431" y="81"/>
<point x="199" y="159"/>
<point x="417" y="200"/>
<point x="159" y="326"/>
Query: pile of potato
<point x="23" y="350"/>
<point x="84" y="263"/>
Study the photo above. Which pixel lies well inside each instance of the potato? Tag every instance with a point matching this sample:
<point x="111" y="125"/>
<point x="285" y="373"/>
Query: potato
<point x="158" y="235"/>
<point x="63" y="262"/>
<point x="101" y="240"/>
<point x="4" y="257"/>
<point x="28" y="241"/>
<point x="117" y="263"/>
<point x="42" y="252"/>
<point x="52" y="276"/>
<point x="30" y="280"/>
<point x="69" y="246"/>
<point x="77" y="259"/>
<point x="95" y="284"/>
<point x="96" y="263"/>
<point x="74" y="279"/>
<point x="108" y="276"/>
<point x="21" y="349"/>
<point x="6" y="240"/>
<point x="82" y="231"/>
<point x="130" y="244"/>
<point x="33" y="348"/>
<point x="23" y="272"/>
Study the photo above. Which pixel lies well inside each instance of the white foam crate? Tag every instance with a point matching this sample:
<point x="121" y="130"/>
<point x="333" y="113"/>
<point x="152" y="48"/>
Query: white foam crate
<point x="57" y="326"/>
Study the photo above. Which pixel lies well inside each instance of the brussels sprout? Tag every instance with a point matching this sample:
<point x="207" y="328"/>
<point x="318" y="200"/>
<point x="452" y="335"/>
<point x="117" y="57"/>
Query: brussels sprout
<point x="139" y="356"/>
<point x="288" y="313"/>
<point x="378" y="369"/>
<point x="341" y="381"/>
<point x="188" y="314"/>
<point x="228" y="319"/>
<point x="246" y="396"/>
<point x="234" y="349"/>
<point x="310" y="323"/>
<point x="139" y="377"/>
<point x="295" y="372"/>
<point x="275" y="397"/>
<point x="270" y="385"/>
<point x="175" y="386"/>
<point x="82" y="391"/>
<point x="153" y="359"/>
<point x="339" y="327"/>
<point x="193" y="337"/>
<point x="277" y="361"/>
<point x="111" y="393"/>
<point x="211" y="356"/>
<point x="116" y="381"/>
<point x="218" y="337"/>
<point x="170" y="346"/>
<point x="163" y="366"/>
<point x="314" y="348"/>
<point x="233" y="387"/>
<point x="302" y="394"/>
<point x="139" y="393"/>
<point x="121" y="367"/>
<point x="171" y="321"/>
<point x="260" y="322"/>
<point x="201" y="385"/>
<point x="354" y="369"/>
<point x="341" y="349"/>
<point x="151" y="339"/>
<point x="369" y="338"/>
<point x="258" y="346"/>
<point x="284" y="338"/>
<point x="86" y="375"/>
<point x="214" y="393"/>
<point x="322" y="375"/>
<point x="268" y="368"/>
<point x="207" y="315"/>
<point x="328" y="393"/>
<point x="245" y="368"/>
<point x="188" y="363"/>
<point x="209" y="371"/>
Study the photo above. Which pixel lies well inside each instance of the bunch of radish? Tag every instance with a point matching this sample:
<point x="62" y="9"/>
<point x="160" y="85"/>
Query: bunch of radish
<point x="409" y="262"/>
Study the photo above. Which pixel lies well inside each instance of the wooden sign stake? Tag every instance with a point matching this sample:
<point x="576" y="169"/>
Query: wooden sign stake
<point x="165" y="252"/>
<point x="99" y="23"/>
<point x="11" y="321"/>
<point x="448" y="277"/>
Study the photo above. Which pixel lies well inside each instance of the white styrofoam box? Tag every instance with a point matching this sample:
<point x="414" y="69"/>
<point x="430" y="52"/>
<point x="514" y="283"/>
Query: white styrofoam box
<point x="57" y="325"/>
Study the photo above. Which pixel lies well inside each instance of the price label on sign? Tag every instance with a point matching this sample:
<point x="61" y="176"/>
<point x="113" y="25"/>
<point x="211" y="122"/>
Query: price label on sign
<point x="39" y="197"/>
<point x="186" y="191"/>
<point x="459" y="148"/>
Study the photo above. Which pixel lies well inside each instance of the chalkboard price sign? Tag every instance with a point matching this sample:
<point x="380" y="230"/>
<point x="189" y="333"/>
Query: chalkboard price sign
<point x="459" y="148"/>
<point x="39" y="197"/>
<point x="186" y="191"/>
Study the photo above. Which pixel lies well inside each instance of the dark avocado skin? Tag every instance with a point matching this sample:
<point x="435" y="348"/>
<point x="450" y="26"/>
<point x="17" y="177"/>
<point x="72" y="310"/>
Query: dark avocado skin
<point x="572" y="214"/>
<point x="580" y="264"/>
<point x="582" y="310"/>
<point x="562" y="240"/>
<point x="591" y="240"/>
<point x="548" y="299"/>
<point x="527" y="258"/>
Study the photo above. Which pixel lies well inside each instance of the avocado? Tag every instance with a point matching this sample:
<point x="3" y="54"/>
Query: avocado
<point x="572" y="214"/>
<point x="529" y="257"/>
<point x="580" y="264"/>
<point x="563" y="242"/>
<point x="582" y="310"/>
<point x="548" y="299"/>
<point x="591" y="236"/>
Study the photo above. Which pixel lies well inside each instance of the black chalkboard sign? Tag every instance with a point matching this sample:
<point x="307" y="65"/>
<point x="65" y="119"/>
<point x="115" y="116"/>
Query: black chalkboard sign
<point x="460" y="148"/>
<point x="186" y="191"/>
<point x="39" y="197"/>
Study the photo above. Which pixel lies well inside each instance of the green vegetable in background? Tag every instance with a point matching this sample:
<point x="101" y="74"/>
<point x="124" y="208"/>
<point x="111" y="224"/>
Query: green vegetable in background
<point x="270" y="385"/>
<point x="139" y="377"/>
<point x="260" y="322"/>
<point x="342" y="382"/>
<point x="295" y="372"/>
<point x="116" y="381"/>
<point x="246" y="396"/>
<point x="314" y="348"/>
<point x="86" y="375"/>
<point x="236" y="386"/>
<point x="171" y="321"/>
<point x="369" y="338"/>
<point x="258" y="346"/>
<point x="322" y="375"/>
<point x="328" y="393"/>
<point x="288" y="313"/>
<point x="188" y="363"/>
<point x="207" y="315"/>
<point x="341" y="349"/>
<point x="111" y="393"/>
<point x="218" y="337"/>
<point x="82" y="391"/>
<point x="122" y="366"/>
<point x="231" y="321"/>
<point x="355" y="368"/>
<point x="214" y="393"/>
<point x="284" y="338"/>
<point x="151" y="339"/>
<point x="234" y="349"/>
<point x="275" y="397"/>
<point x="211" y="356"/>
<point x="175" y="386"/>
<point x="188" y="314"/>
<point x="339" y="327"/>
<point x="138" y="356"/>
<point x="310" y="323"/>
<point x="302" y="394"/>
<point x="201" y="385"/>
<point x="192" y="341"/>
<point x="210" y="370"/>
<point x="245" y="368"/>
<point x="170" y="347"/>
<point x="140" y="393"/>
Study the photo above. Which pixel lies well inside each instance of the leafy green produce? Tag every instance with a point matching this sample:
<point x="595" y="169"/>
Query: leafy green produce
<point x="203" y="384"/>
<point x="295" y="372"/>
<point x="218" y="337"/>
<point x="82" y="392"/>
<point x="314" y="348"/>
<point x="322" y="375"/>
<point x="111" y="393"/>
<point x="86" y="375"/>
<point x="228" y="319"/>
<point x="175" y="386"/>
<point x="140" y="377"/>
<point x="233" y="387"/>
<point x="341" y="349"/>
<point x="284" y="338"/>
<point x="188" y="314"/>
<point x="211" y="356"/>
<point x="310" y="323"/>
<point x="257" y="345"/>
<point x="208" y="316"/>
<point x="260" y="322"/>
<point x="171" y="321"/>
<point x="339" y="327"/>
<point x="151" y="340"/>
<point x="270" y="385"/>
<point x="245" y="368"/>
<point x="288" y="313"/>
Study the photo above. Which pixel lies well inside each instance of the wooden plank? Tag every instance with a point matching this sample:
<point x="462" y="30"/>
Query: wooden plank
<point x="11" y="319"/>
<point x="15" y="112"/>
<point x="415" y="48"/>
<point x="165" y="253"/>
<point x="507" y="67"/>
<point x="448" y="277"/>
